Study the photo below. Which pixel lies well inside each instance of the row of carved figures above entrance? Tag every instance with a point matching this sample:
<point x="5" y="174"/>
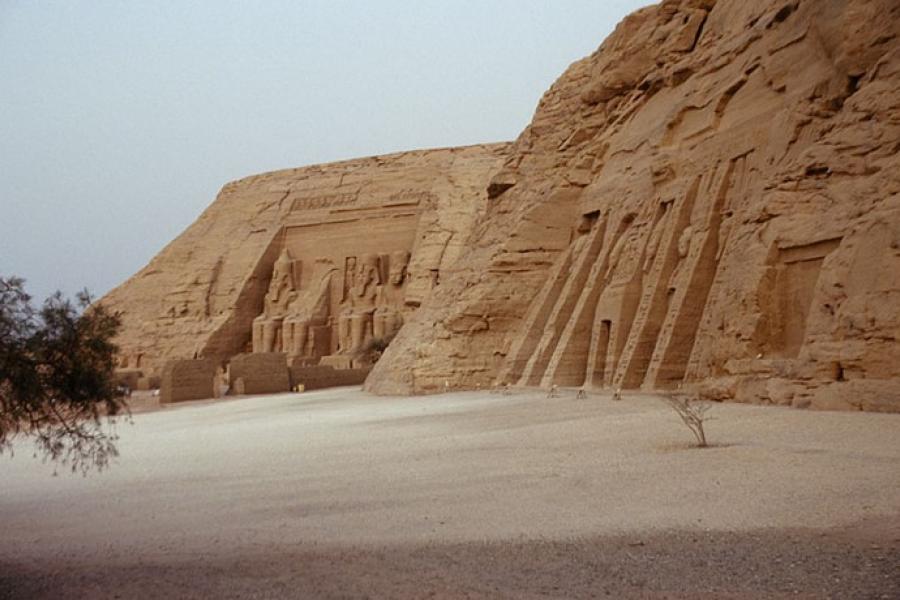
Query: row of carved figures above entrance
<point x="302" y="322"/>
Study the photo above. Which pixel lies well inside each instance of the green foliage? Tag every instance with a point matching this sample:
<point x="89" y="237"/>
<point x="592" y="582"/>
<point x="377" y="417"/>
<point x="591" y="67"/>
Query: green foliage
<point x="56" y="377"/>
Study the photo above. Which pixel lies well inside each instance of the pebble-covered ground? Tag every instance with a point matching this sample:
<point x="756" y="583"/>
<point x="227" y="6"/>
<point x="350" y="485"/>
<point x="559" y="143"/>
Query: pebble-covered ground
<point x="469" y="495"/>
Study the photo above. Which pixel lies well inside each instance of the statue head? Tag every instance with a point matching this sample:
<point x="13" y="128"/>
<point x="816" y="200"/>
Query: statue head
<point x="399" y="262"/>
<point x="284" y="260"/>
<point x="366" y="273"/>
<point x="282" y="269"/>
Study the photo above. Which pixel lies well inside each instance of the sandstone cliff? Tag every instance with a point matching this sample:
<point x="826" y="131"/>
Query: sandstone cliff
<point x="199" y="296"/>
<point x="710" y="200"/>
<point x="712" y="197"/>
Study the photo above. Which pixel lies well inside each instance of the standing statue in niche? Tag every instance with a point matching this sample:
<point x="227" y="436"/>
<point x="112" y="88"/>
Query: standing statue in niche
<point x="656" y="237"/>
<point x="309" y="311"/>
<point x="282" y="292"/>
<point x="355" y="321"/>
<point x="684" y="248"/>
<point x="389" y="302"/>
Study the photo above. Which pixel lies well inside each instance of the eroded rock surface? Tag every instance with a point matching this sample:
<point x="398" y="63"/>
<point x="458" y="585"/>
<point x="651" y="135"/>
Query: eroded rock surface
<point x="271" y="265"/>
<point x="712" y="198"/>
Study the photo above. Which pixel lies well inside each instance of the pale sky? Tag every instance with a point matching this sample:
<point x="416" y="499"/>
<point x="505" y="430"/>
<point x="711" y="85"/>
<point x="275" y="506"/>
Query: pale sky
<point x="120" y="120"/>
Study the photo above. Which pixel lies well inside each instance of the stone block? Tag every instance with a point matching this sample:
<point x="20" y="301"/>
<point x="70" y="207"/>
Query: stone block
<point x="337" y="361"/>
<point x="187" y="380"/>
<point x="129" y="377"/>
<point x="323" y="376"/>
<point x="259" y="373"/>
<point x="151" y="382"/>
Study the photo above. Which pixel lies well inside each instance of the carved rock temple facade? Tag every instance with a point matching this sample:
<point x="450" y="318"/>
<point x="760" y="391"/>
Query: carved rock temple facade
<point x="710" y="200"/>
<point x="315" y="263"/>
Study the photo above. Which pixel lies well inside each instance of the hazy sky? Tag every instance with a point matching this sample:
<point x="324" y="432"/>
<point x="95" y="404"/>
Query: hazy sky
<point x="120" y="121"/>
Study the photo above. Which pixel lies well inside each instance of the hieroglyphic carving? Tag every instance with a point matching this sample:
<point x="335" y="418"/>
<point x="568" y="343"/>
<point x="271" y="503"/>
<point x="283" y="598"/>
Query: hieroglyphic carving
<point x="326" y="201"/>
<point x="411" y="197"/>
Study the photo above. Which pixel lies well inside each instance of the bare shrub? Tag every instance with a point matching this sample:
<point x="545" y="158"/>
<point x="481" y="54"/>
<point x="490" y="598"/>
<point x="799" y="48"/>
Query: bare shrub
<point x="693" y="413"/>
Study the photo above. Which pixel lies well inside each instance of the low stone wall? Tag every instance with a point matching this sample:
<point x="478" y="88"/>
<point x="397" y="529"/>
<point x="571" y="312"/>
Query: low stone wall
<point x="322" y="376"/>
<point x="187" y="380"/>
<point x="148" y="383"/>
<point x="129" y="377"/>
<point x="259" y="373"/>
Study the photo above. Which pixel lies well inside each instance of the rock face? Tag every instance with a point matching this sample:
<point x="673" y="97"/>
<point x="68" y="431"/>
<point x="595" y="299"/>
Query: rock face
<point x="274" y="264"/>
<point x="712" y="198"/>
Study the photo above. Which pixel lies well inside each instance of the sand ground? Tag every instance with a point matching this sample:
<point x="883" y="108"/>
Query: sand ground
<point x="341" y="494"/>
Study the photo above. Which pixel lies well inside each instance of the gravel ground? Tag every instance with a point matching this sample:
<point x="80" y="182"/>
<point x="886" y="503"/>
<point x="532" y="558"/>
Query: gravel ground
<point x="340" y="494"/>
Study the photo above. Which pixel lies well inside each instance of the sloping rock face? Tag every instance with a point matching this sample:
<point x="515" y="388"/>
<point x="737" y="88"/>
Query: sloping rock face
<point x="711" y="199"/>
<point x="289" y="246"/>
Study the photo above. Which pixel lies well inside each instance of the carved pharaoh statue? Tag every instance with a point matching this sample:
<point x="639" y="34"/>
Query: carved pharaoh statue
<point x="388" y="317"/>
<point x="281" y="293"/>
<point x="355" y="321"/>
<point x="309" y="311"/>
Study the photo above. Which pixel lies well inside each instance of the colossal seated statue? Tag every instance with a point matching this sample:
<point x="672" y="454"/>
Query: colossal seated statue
<point x="355" y="321"/>
<point x="308" y="315"/>
<point x="282" y="292"/>
<point x="388" y="316"/>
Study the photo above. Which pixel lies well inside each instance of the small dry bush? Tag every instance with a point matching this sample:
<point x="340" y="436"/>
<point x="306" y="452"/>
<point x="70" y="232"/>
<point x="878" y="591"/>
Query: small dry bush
<point x="693" y="413"/>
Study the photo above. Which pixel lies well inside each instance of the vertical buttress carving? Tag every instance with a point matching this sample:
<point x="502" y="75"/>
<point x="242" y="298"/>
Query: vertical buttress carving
<point x="654" y="302"/>
<point x="585" y="249"/>
<point x="693" y="280"/>
<point x="568" y="363"/>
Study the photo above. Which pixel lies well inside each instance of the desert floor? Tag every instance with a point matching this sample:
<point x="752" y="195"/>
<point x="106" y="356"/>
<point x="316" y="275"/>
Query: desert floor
<point x="341" y="494"/>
